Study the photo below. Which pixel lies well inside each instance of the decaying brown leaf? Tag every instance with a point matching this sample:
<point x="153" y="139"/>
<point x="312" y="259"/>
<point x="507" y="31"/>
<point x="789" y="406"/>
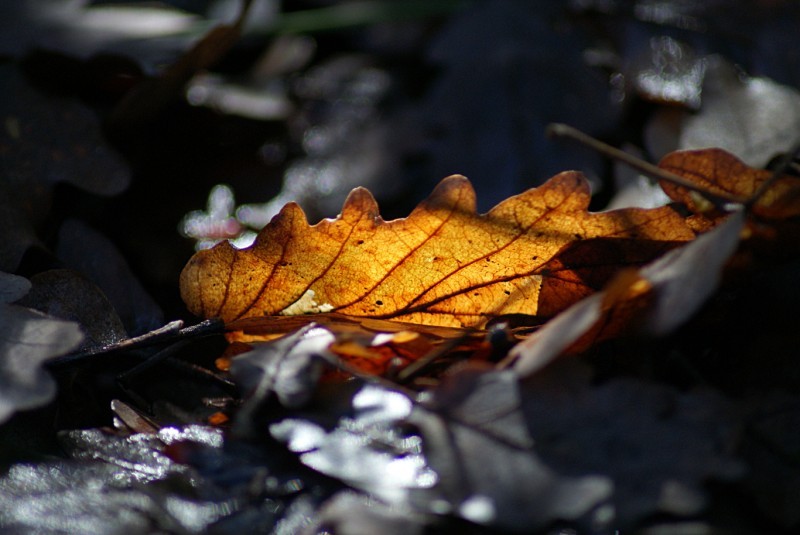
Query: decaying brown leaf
<point x="443" y="265"/>
<point x="664" y="294"/>
<point x="372" y="346"/>
<point x="772" y="202"/>
<point x="653" y="300"/>
<point x="718" y="171"/>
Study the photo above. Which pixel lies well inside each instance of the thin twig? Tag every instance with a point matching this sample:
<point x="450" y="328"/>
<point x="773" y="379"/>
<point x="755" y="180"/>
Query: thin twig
<point x="653" y="171"/>
<point x="340" y="364"/>
<point x="166" y="356"/>
<point x="153" y="360"/>
<point x="172" y="331"/>
<point x="416" y="367"/>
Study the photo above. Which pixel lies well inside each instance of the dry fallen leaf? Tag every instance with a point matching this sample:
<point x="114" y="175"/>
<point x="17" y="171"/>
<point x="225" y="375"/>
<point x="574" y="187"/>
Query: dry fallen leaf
<point x="654" y="300"/>
<point x="371" y="346"/>
<point x="773" y="202"/>
<point x="718" y="171"/>
<point x="443" y="265"/>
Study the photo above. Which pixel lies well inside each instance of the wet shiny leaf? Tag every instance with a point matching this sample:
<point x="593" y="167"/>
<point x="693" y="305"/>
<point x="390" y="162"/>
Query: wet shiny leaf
<point x="115" y="484"/>
<point x="75" y="497"/>
<point x="367" y="450"/>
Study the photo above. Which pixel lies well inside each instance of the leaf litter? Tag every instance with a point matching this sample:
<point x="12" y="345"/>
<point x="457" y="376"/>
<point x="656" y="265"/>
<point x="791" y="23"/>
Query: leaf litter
<point x="485" y="451"/>
<point x="28" y="340"/>
<point x="571" y="446"/>
<point x="483" y="446"/>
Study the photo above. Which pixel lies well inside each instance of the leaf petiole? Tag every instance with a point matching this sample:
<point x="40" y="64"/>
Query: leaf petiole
<point x="719" y="199"/>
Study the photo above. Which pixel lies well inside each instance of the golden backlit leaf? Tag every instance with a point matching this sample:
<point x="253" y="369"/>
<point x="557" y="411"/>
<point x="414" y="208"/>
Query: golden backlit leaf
<point x="718" y="171"/>
<point x="443" y="265"/>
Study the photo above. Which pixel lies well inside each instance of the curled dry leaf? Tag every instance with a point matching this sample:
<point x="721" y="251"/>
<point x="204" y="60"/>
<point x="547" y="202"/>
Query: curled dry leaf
<point x="655" y="299"/>
<point x="443" y="265"/>
<point x="718" y="171"/>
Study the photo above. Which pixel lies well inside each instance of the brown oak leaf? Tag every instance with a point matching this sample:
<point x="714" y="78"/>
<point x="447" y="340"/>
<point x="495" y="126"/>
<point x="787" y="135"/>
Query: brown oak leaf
<point x="773" y="203"/>
<point x="653" y="300"/>
<point x="718" y="171"/>
<point x="443" y="265"/>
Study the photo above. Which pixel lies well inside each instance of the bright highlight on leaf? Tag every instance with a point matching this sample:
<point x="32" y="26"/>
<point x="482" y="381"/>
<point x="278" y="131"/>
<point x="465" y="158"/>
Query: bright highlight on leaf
<point x="443" y="265"/>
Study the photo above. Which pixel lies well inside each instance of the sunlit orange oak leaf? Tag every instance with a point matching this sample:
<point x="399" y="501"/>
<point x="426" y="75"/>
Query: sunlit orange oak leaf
<point x="443" y="265"/>
<point x="718" y="171"/>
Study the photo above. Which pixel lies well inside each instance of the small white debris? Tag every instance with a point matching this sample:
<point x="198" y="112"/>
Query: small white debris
<point x="306" y="305"/>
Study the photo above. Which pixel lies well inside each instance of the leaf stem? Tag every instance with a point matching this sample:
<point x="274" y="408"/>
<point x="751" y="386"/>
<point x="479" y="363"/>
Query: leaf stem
<point x="653" y="171"/>
<point x="172" y="331"/>
<point x="413" y="369"/>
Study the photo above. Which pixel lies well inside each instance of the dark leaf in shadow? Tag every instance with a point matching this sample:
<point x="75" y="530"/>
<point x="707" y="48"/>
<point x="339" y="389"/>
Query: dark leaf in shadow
<point x="12" y="287"/>
<point x="771" y="447"/>
<point x="46" y="140"/>
<point x="657" y="445"/>
<point x="65" y="294"/>
<point x="486" y="478"/>
<point x="89" y="252"/>
<point x="488" y="402"/>
<point x="357" y="514"/>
